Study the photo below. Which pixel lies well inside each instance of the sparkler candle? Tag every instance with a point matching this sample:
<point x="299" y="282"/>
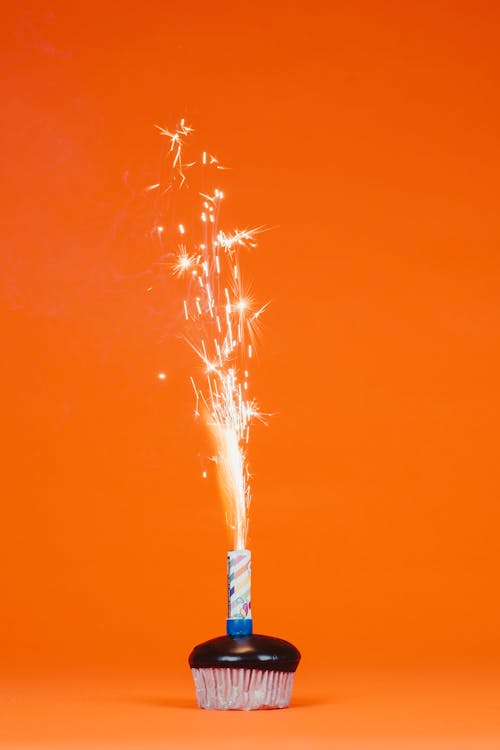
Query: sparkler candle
<point x="239" y="670"/>
<point x="239" y="615"/>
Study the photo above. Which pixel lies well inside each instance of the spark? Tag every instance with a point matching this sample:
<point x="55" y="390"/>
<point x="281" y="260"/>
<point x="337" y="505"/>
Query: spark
<point x="197" y="397"/>
<point x="239" y="238"/>
<point x="161" y="376"/>
<point x="184" y="261"/>
<point x="259" y="312"/>
<point x="176" y="146"/>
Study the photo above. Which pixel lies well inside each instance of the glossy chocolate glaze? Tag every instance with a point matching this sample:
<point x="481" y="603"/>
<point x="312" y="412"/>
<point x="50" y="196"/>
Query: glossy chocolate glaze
<point x="249" y="652"/>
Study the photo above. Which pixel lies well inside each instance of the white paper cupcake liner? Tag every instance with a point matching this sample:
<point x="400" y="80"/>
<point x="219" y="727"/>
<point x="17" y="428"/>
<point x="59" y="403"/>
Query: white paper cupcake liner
<point x="242" y="689"/>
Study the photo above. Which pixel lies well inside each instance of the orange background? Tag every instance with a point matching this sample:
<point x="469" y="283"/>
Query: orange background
<point x="366" y="135"/>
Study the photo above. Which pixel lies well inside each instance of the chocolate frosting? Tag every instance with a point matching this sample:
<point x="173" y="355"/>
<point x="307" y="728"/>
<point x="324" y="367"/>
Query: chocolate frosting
<point x="248" y="652"/>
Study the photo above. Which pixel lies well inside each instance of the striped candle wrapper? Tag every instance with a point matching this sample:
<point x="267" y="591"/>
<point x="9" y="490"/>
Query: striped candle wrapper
<point x="239" y="604"/>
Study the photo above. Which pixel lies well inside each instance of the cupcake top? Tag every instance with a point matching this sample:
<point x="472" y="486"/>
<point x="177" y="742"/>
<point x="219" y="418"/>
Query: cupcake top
<point x="249" y="652"/>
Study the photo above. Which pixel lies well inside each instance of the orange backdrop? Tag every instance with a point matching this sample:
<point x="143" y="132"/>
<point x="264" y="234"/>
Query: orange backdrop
<point x="366" y="135"/>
